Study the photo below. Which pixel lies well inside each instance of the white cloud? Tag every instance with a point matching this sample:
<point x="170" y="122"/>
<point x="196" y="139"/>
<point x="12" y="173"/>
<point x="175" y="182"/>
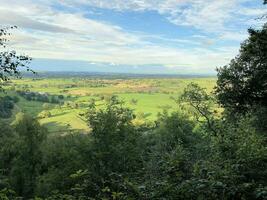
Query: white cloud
<point x="46" y="32"/>
<point x="26" y="22"/>
<point x="253" y="11"/>
<point x="234" y="36"/>
<point x="208" y="15"/>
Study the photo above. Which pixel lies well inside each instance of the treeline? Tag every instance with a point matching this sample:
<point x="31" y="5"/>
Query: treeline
<point x="42" y="97"/>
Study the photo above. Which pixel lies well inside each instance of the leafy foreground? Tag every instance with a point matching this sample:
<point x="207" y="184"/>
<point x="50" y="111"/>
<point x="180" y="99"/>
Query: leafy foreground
<point x="177" y="159"/>
<point x="195" y="152"/>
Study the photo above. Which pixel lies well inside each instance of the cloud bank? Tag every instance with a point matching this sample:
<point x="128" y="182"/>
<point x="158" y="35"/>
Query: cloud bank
<point x="63" y="29"/>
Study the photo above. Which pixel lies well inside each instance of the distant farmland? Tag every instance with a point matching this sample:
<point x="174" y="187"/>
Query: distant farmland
<point x="71" y="95"/>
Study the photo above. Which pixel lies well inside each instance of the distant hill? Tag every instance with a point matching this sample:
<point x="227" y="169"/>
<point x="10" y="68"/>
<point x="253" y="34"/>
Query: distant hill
<point x="109" y="75"/>
<point x="56" y="65"/>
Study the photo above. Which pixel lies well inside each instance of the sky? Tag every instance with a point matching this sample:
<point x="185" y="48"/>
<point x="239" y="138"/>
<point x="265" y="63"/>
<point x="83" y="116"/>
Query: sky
<point x="131" y="36"/>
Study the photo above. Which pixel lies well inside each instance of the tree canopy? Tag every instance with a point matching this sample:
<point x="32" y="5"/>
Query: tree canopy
<point x="242" y="84"/>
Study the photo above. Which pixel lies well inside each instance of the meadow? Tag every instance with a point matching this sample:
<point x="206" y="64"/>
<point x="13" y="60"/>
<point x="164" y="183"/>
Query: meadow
<point x="147" y="96"/>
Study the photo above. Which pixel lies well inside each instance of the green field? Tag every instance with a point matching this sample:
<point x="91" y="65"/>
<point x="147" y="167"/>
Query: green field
<point x="146" y="96"/>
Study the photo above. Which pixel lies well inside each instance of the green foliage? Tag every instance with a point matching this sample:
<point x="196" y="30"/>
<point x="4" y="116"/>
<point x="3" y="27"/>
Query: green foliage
<point x="7" y="194"/>
<point x="26" y="163"/>
<point x="169" y="155"/>
<point x="118" y="160"/>
<point x="115" y="154"/>
<point x="113" y="119"/>
<point x="44" y="114"/>
<point x="238" y="161"/>
<point x="6" y="106"/>
<point x="242" y="84"/>
<point x="6" y="153"/>
<point x="10" y="62"/>
<point x="62" y="156"/>
<point x="202" y="103"/>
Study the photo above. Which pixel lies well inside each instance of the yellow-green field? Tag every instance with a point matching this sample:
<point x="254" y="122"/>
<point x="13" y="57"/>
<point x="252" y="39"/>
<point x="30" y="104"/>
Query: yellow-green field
<point x="146" y="96"/>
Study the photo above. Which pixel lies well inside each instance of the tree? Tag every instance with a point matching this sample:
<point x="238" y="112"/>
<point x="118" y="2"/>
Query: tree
<point x="7" y="138"/>
<point x="197" y="98"/>
<point x="10" y="61"/>
<point x="6" y="106"/>
<point x="26" y="164"/>
<point x="54" y="100"/>
<point x="242" y="84"/>
<point x="113" y="132"/>
<point x="44" y="114"/>
<point x="61" y="97"/>
<point x="115" y="153"/>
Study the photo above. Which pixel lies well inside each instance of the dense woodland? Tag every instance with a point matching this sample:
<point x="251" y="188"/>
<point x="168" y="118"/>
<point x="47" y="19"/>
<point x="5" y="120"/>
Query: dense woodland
<point x="196" y="152"/>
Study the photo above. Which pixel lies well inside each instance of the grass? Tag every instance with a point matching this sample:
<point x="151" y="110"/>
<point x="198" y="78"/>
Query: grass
<point x="149" y="104"/>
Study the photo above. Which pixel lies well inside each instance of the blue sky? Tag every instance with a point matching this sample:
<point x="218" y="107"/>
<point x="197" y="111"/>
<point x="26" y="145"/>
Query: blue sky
<point x="136" y="36"/>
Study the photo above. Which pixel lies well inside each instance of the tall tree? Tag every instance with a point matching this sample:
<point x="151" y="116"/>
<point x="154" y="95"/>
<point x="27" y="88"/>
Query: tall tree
<point x="115" y="153"/>
<point x="26" y="164"/>
<point x="242" y="84"/>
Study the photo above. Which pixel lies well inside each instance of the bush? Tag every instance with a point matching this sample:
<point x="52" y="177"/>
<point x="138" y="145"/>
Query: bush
<point x="44" y="114"/>
<point x="6" y="106"/>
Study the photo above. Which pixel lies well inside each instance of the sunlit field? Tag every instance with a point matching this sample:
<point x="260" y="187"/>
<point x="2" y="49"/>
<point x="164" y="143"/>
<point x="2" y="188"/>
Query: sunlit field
<point x="146" y="96"/>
